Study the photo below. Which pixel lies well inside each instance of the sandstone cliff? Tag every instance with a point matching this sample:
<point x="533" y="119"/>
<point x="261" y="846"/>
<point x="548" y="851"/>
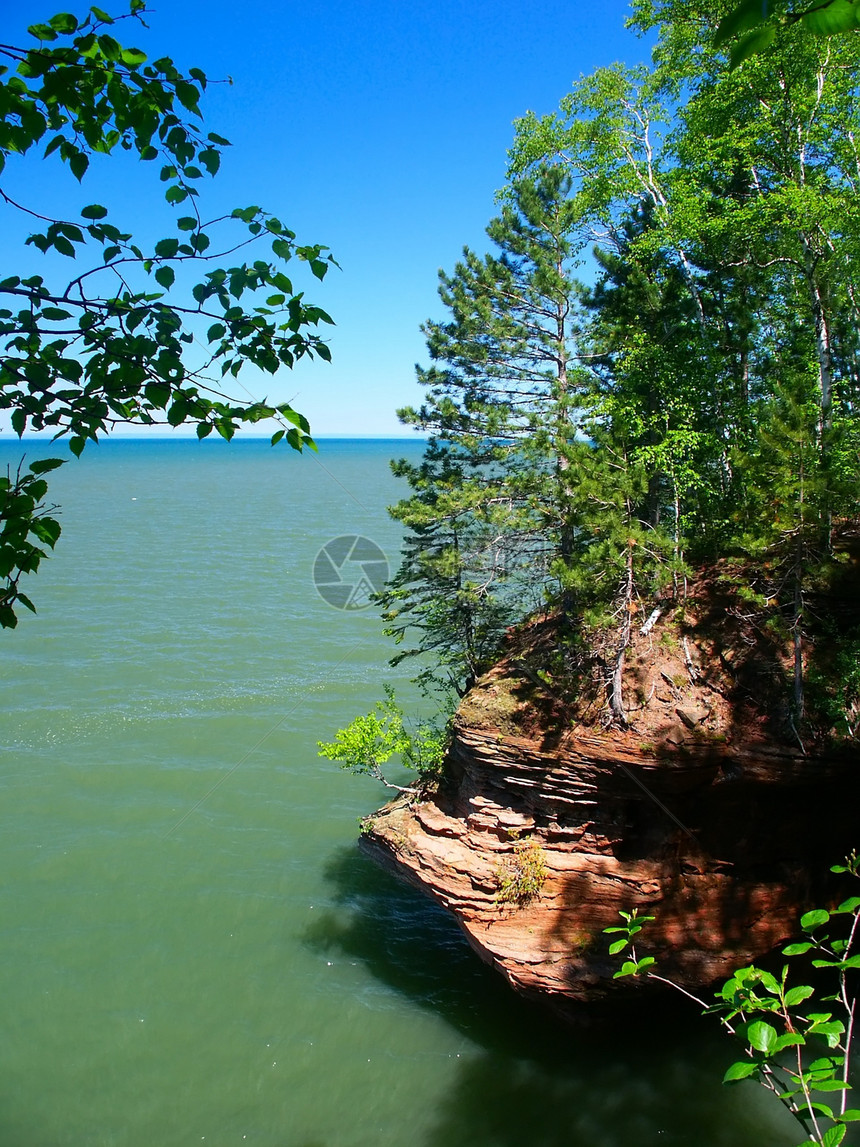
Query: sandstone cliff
<point x="697" y="812"/>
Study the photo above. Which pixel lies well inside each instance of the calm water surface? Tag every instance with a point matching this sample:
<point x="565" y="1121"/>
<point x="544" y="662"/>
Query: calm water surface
<point x="191" y="950"/>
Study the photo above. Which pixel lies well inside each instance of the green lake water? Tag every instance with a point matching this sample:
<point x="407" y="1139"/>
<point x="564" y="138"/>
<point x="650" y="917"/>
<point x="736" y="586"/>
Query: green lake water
<point x="191" y="949"/>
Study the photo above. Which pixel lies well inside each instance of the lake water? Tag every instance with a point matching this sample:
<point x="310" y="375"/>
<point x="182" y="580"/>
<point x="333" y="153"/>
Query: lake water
<point x="191" y="949"/>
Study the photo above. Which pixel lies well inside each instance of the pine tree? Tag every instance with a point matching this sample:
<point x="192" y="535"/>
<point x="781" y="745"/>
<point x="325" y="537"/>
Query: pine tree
<point x="490" y="511"/>
<point x="446" y="592"/>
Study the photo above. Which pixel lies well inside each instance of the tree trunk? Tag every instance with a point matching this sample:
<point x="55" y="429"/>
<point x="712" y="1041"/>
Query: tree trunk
<point x="616" y="695"/>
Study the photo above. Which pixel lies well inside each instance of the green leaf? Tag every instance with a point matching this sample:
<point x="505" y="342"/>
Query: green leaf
<point x="110" y="48"/>
<point x="743" y="1069"/>
<point x="62" y="244"/>
<point x="77" y="444"/>
<point x="852" y="1115"/>
<point x="47" y="530"/>
<point x="94" y="211"/>
<point x="189" y="96"/>
<point x="8" y="620"/>
<point x="834" y="1136"/>
<point x="769" y="983"/>
<point x="45" y="465"/>
<point x="42" y="32"/>
<point x="178" y="411"/>
<point x="64" y="23"/>
<point x="78" y="163"/>
<point x="750" y="44"/>
<point x="628" y="968"/>
<point x="790" y="1039"/>
<point x="158" y="393"/>
<point x="796" y="949"/>
<point x="762" y="1036"/>
<point x="166" y="248"/>
<point x="19" y="420"/>
<point x="165" y="277"/>
<point x="848" y="905"/>
<point x="742" y="18"/>
<point x="282" y="248"/>
<point x="831" y="19"/>
<point x="210" y="159"/>
<point x="133" y="57"/>
<point x="277" y="436"/>
<point x="797" y="995"/>
<point x="186" y="223"/>
<point x="814" y="919"/>
<point x="617" y="946"/>
<point x="831" y="1031"/>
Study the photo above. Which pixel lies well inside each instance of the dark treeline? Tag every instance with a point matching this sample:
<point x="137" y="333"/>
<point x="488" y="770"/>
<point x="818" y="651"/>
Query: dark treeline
<point x="593" y="446"/>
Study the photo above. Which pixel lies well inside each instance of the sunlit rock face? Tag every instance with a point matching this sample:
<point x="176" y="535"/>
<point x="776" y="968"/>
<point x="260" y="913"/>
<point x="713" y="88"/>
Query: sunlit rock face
<point x="721" y="834"/>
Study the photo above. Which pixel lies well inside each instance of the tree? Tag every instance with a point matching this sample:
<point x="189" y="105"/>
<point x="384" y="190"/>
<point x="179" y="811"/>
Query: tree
<point x="490" y="513"/>
<point x="371" y="740"/>
<point x="446" y="588"/>
<point x="116" y="341"/>
<point x="722" y="330"/>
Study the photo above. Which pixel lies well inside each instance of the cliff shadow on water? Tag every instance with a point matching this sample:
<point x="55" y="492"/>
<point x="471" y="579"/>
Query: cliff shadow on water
<point x="647" y="1073"/>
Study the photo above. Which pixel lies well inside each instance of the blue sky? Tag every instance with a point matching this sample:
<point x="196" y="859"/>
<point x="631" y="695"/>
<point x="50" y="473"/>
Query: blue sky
<point x="380" y="129"/>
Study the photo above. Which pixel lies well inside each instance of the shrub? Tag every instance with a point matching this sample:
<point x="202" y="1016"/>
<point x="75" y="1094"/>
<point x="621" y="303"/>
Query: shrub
<point x="521" y="876"/>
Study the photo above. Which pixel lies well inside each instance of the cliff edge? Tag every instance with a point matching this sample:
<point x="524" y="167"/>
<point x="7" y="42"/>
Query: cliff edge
<point x="701" y="811"/>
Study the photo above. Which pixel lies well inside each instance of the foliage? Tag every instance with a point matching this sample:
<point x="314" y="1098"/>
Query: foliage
<point x="781" y="1026"/>
<point x="369" y="742"/>
<point x="521" y="876"/>
<point x="631" y="927"/>
<point x="446" y="587"/>
<point x="489" y="511"/>
<point x="26" y="527"/>
<point x="696" y="406"/>
<point x="835" y="691"/>
<point x="753" y="24"/>
<point x="719" y="388"/>
<point x="137" y="332"/>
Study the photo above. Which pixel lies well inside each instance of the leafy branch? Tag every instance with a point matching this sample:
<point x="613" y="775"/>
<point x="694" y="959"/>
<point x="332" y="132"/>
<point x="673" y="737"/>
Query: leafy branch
<point x="753" y="24"/>
<point x="115" y="343"/>
<point x="369" y="742"/>
<point x="780" y="1024"/>
<point x="27" y="527"/>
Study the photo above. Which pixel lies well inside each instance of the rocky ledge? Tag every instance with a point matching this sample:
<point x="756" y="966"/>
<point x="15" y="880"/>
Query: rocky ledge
<point x="545" y="828"/>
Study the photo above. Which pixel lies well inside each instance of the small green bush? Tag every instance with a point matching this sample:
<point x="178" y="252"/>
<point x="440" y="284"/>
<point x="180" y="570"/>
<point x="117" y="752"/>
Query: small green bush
<point x="522" y="875"/>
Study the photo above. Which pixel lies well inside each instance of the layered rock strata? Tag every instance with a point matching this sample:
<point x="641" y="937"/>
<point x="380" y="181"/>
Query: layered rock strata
<point x="721" y="840"/>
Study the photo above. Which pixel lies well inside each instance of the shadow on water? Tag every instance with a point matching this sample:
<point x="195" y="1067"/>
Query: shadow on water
<point x="642" y="1076"/>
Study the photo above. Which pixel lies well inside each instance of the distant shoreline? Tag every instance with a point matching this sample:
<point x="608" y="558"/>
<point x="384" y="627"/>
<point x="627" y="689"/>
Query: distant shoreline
<point x="213" y="438"/>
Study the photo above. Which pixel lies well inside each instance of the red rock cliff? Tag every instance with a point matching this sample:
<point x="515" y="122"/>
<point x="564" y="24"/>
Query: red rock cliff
<point x="708" y="824"/>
